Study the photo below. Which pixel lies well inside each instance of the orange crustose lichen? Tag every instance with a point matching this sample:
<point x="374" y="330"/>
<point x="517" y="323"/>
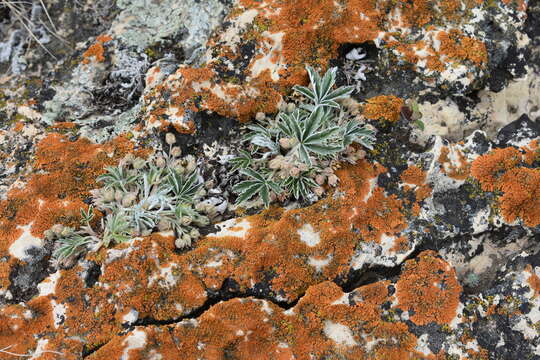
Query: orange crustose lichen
<point x="64" y="173"/>
<point x="429" y="287"/>
<point x="455" y="45"/>
<point x="413" y="175"/>
<point x="503" y="170"/>
<point x="521" y="198"/>
<point x="310" y="34"/>
<point x="534" y="280"/>
<point x="251" y="328"/>
<point x="488" y="169"/>
<point x="383" y="107"/>
<point x="96" y="50"/>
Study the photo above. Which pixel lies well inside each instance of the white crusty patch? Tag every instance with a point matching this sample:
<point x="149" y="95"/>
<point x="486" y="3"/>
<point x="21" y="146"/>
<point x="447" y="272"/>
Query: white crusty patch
<point x="40" y="348"/>
<point x="24" y="243"/>
<point x="232" y="227"/>
<point x="343" y="300"/>
<point x="136" y="340"/>
<point x="48" y="286"/>
<point x="266" y="307"/>
<point x="340" y="334"/>
<point x="130" y="317"/>
<point x="165" y="277"/>
<point x="274" y="48"/>
<point x="114" y="254"/>
<point x="422" y="345"/>
<point x="59" y="313"/>
<point x="319" y="263"/>
<point x="232" y="34"/>
<point x="308" y="235"/>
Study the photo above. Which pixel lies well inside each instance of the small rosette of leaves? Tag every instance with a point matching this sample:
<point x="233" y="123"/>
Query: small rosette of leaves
<point x="295" y="154"/>
<point x="138" y="197"/>
<point x="258" y="184"/>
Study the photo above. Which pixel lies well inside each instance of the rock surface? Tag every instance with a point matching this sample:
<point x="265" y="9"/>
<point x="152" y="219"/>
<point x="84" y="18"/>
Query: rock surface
<point x="429" y="248"/>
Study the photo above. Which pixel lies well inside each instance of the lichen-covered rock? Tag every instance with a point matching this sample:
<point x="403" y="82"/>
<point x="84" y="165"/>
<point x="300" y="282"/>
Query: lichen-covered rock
<point x="426" y="249"/>
<point x="421" y="314"/>
<point x="260" y="53"/>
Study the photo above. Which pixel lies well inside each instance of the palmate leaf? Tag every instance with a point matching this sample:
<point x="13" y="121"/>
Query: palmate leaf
<point x="155" y="174"/>
<point x="116" y="229"/>
<point x="300" y="187"/>
<point x="87" y="216"/>
<point x="243" y="161"/>
<point x="184" y="187"/>
<point x="247" y="189"/>
<point x="265" y="142"/>
<point x="259" y="185"/>
<point x="321" y="137"/>
<point x="316" y="119"/>
<point x="116" y="177"/>
<point x="355" y="132"/>
<point x="291" y="124"/>
<point x="321" y="93"/>
<point x="338" y="94"/>
<point x="324" y="150"/>
<point x="305" y="91"/>
<point x="142" y="219"/>
<point x="71" y="246"/>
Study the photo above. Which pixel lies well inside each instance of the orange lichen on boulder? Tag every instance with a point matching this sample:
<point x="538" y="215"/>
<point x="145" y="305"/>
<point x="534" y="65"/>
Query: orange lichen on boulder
<point x="532" y="152"/>
<point x="22" y="324"/>
<point x="282" y="46"/>
<point x="96" y="50"/>
<point x="326" y="323"/>
<point x="288" y="244"/>
<point x="521" y="198"/>
<point x="488" y="169"/>
<point x="383" y="107"/>
<point x="64" y="172"/>
<point x="455" y="46"/>
<point x="534" y="280"/>
<point x="429" y="288"/>
<point x="413" y="175"/>
<point x="503" y="170"/>
<point x="381" y="215"/>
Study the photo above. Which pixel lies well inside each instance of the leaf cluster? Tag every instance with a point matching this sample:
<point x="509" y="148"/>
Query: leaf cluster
<point x="291" y="154"/>
<point x="137" y="197"/>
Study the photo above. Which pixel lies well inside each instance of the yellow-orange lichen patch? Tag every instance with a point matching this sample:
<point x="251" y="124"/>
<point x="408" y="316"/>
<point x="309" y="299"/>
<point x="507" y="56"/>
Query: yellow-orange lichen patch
<point x="534" y="280"/>
<point x="402" y="245"/>
<point x="21" y="324"/>
<point x="428" y="287"/>
<point x="414" y="179"/>
<point x="96" y="50"/>
<point x="64" y="125"/>
<point x="326" y="323"/>
<point x="531" y="152"/>
<point x="383" y="107"/>
<point x="489" y="168"/>
<point x="456" y="46"/>
<point x="413" y="175"/>
<point x="273" y="246"/>
<point x="521" y="198"/>
<point x="281" y="46"/>
<point x="381" y="215"/>
<point x="503" y="170"/>
<point x="18" y="126"/>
